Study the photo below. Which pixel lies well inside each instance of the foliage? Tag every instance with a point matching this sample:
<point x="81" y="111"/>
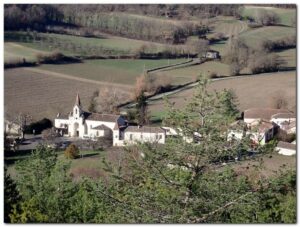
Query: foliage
<point x="72" y="151"/>
<point x="178" y="182"/>
<point x="11" y="196"/>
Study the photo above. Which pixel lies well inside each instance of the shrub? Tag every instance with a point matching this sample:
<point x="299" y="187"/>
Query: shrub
<point x="54" y="58"/>
<point x="212" y="75"/>
<point x="262" y="62"/>
<point x="72" y="152"/>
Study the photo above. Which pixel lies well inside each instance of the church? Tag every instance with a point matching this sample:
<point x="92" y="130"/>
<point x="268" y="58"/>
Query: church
<point x="86" y="125"/>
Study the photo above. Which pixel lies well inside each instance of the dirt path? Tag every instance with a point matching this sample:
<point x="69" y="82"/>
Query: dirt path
<point x="66" y="76"/>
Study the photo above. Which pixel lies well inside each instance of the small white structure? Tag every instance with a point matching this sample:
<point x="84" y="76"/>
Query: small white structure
<point x="85" y="125"/>
<point x="286" y="148"/>
<point x="212" y="54"/>
<point x="12" y="129"/>
<point x="134" y="134"/>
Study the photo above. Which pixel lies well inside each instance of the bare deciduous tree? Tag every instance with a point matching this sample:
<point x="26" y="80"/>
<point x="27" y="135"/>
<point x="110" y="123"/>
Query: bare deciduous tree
<point x="279" y="100"/>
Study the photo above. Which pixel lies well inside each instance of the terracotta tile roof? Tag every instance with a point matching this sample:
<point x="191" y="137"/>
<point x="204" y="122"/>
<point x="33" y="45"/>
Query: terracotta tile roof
<point x="101" y="127"/>
<point x="101" y="117"/>
<point x="284" y="115"/>
<point x="144" y="129"/>
<point x="263" y="113"/>
<point x="286" y="145"/>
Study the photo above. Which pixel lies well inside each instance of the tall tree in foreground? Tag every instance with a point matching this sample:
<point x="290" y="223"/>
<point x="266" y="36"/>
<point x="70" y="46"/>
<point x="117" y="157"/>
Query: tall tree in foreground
<point x="182" y="182"/>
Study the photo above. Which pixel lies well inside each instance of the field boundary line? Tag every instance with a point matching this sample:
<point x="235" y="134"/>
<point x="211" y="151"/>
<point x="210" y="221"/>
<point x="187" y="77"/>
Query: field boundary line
<point x="70" y="77"/>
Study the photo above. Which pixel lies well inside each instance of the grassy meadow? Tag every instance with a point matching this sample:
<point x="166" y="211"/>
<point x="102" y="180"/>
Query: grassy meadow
<point x="123" y="71"/>
<point x="286" y="15"/>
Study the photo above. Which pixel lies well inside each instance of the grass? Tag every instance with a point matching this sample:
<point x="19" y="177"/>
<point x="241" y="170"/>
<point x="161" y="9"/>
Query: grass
<point x="188" y="74"/>
<point x="44" y="95"/>
<point x="252" y="91"/>
<point x="228" y="25"/>
<point x="17" y="51"/>
<point x="285" y="15"/>
<point x="255" y="36"/>
<point x="289" y="56"/>
<point x="122" y="71"/>
<point x="114" y="44"/>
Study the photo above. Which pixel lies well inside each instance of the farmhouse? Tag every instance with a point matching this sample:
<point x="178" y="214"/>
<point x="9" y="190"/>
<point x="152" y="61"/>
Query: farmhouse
<point x="212" y="54"/>
<point x="259" y="131"/>
<point x="85" y="125"/>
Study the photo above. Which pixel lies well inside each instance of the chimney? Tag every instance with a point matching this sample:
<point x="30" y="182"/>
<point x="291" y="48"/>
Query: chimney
<point x="139" y="126"/>
<point x="58" y="115"/>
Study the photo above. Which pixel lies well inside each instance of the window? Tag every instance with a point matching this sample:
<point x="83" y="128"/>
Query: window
<point x="130" y="136"/>
<point x="75" y="110"/>
<point x="141" y="136"/>
<point x="90" y="126"/>
<point x="97" y="133"/>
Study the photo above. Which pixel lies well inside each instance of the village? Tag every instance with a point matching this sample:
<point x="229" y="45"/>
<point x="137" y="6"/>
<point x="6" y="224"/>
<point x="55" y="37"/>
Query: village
<point x="150" y="113"/>
<point x="261" y="124"/>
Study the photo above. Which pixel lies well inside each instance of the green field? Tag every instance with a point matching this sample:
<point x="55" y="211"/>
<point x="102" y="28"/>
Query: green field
<point x="15" y="51"/>
<point x="285" y="15"/>
<point x="123" y="71"/>
<point x="254" y="36"/>
<point x="70" y="45"/>
<point x="188" y="74"/>
<point x="289" y="56"/>
<point x="228" y="25"/>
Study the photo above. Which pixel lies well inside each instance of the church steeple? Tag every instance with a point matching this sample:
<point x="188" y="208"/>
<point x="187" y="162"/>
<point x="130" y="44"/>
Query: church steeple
<point x="77" y="102"/>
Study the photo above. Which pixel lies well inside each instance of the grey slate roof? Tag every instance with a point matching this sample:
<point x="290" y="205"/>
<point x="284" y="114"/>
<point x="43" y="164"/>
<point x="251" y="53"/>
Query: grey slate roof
<point x="146" y="129"/>
<point x="101" y="127"/>
<point x="101" y="117"/>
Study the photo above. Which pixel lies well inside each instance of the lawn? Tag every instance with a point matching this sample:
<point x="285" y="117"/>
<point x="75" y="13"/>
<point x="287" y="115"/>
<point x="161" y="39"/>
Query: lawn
<point x="285" y="15"/>
<point x="188" y="74"/>
<point x="123" y="71"/>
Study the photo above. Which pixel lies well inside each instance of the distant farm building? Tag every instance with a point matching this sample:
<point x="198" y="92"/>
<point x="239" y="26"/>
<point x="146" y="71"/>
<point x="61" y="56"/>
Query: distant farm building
<point x="212" y="54"/>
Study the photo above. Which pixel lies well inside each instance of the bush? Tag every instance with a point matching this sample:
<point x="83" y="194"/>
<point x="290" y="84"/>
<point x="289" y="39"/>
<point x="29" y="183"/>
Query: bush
<point x="72" y="152"/>
<point x="262" y="62"/>
<point x="212" y="75"/>
<point x="55" y="57"/>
